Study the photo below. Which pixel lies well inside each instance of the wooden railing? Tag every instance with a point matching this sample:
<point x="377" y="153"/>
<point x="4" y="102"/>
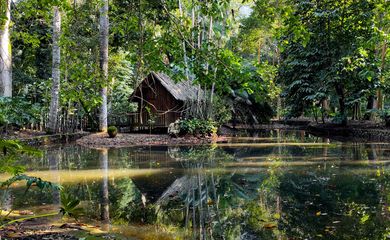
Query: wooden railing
<point x="159" y="119"/>
<point x="135" y="119"/>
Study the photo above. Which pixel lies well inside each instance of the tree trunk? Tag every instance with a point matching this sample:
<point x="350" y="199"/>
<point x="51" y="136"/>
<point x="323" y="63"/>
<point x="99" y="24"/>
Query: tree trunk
<point x="357" y="111"/>
<point x="184" y="45"/>
<point x="324" y="110"/>
<point x="193" y="25"/>
<point x="54" y="159"/>
<point x="55" y="89"/>
<point x="370" y="106"/>
<point x="379" y="97"/>
<point x="5" y="53"/>
<point x="200" y="31"/>
<point x="383" y="61"/>
<point x="341" y="95"/>
<point x="259" y="53"/>
<point x="209" y="39"/>
<point x="103" y="35"/>
<point x="140" y="53"/>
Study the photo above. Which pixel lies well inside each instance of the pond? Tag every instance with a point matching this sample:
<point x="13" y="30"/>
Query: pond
<point x="270" y="185"/>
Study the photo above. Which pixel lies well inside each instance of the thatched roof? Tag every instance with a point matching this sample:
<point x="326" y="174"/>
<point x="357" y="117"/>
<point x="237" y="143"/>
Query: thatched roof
<point x="183" y="90"/>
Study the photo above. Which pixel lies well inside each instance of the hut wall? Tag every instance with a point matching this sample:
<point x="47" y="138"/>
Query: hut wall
<point x="154" y="92"/>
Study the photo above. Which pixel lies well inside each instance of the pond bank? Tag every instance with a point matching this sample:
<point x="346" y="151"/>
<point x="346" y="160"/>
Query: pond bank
<point x="356" y="132"/>
<point x="229" y="129"/>
<point x="33" y="138"/>
<point x="364" y="131"/>
<point x="101" y="140"/>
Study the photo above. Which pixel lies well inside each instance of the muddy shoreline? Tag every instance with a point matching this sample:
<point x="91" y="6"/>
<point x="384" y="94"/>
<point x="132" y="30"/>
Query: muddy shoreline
<point x="101" y="140"/>
<point x="33" y="138"/>
<point x="355" y="131"/>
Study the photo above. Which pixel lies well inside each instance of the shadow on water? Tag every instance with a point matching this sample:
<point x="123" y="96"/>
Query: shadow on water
<point x="274" y="185"/>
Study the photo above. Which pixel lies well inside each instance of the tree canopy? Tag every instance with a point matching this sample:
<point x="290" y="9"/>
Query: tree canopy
<point x="283" y="58"/>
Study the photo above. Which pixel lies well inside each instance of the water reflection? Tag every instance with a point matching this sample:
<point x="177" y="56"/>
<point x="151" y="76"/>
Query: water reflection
<point x="278" y="185"/>
<point x="104" y="200"/>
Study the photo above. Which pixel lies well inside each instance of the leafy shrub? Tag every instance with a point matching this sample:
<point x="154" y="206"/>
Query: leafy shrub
<point x="222" y="111"/>
<point x="125" y="78"/>
<point x="254" y="112"/>
<point x="197" y="126"/>
<point x="385" y="115"/>
<point x="18" y="112"/>
<point x="112" y="131"/>
<point x="339" y="118"/>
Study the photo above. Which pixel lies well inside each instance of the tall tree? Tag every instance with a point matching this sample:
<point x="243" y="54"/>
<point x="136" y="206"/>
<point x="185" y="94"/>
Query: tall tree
<point x="328" y="52"/>
<point x="103" y="35"/>
<point x="55" y="89"/>
<point x="5" y="49"/>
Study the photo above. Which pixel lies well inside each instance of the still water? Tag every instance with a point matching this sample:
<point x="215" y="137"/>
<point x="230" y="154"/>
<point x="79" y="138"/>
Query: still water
<point x="272" y="185"/>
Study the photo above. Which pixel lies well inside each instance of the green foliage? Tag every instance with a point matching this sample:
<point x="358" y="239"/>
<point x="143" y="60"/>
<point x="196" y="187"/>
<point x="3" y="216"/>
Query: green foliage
<point x="337" y="58"/>
<point x="123" y="82"/>
<point x="30" y="181"/>
<point x="10" y="151"/>
<point x="222" y="111"/>
<point x="18" y="112"/>
<point x="261" y="220"/>
<point x="197" y="126"/>
<point x="309" y="51"/>
<point x="130" y="206"/>
<point x="152" y="116"/>
<point x="31" y="39"/>
<point x="385" y="115"/>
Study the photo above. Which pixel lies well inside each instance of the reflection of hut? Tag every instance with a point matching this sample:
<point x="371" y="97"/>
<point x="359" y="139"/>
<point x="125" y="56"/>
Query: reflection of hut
<point x="160" y="100"/>
<point x="154" y="186"/>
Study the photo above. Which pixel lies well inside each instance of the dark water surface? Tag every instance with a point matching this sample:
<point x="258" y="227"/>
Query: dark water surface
<point x="275" y="185"/>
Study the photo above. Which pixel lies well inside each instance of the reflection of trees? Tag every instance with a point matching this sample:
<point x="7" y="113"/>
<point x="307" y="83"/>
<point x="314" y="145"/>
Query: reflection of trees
<point x="72" y="157"/>
<point x="279" y="204"/>
<point x="192" y="198"/>
<point x="54" y="159"/>
<point x="336" y="206"/>
<point x="209" y="204"/>
<point x="104" y="202"/>
<point x="266" y="211"/>
<point x="129" y="204"/>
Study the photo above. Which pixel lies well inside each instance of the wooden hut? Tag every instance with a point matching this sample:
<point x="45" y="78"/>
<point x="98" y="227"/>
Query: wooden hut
<point x="161" y="101"/>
